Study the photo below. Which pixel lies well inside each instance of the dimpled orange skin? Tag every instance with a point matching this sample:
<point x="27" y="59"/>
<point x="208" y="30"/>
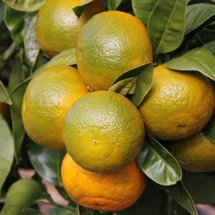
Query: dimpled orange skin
<point x="103" y="131"/>
<point x="111" y="191"/>
<point x="57" y="26"/>
<point x="47" y="97"/>
<point x="195" y="153"/>
<point x="178" y="105"/>
<point x="110" y="44"/>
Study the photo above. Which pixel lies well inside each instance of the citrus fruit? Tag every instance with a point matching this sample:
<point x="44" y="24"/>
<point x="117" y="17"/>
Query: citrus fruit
<point x="110" y="191"/>
<point x="109" y="44"/>
<point x="178" y="105"/>
<point x="194" y="153"/>
<point x="57" y="25"/>
<point x="47" y="97"/>
<point x="103" y="131"/>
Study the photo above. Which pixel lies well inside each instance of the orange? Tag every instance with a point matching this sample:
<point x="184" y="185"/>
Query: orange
<point x="57" y="26"/>
<point x="178" y="105"/>
<point x="103" y="131"/>
<point x="111" y="191"/>
<point x="110" y="44"/>
<point x="195" y="153"/>
<point x="47" y="97"/>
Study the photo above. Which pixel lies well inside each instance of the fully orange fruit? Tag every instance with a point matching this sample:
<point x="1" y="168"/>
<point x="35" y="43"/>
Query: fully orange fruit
<point x="57" y="26"/>
<point x="195" y="153"/>
<point x="178" y="105"/>
<point x="103" y="131"/>
<point x="110" y="44"/>
<point x="111" y="191"/>
<point x="47" y="97"/>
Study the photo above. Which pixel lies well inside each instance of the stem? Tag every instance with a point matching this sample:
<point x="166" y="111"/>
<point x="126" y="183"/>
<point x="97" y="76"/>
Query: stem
<point x="9" y="52"/>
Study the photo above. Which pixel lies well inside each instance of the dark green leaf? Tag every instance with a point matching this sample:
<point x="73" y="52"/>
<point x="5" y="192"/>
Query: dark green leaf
<point x="197" y="14"/>
<point x="179" y="193"/>
<point x="210" y="46"/>
<point x="166" y="25"/>
<point x="17" y="23"/>
<point x="209" y="129"/>
<point x="147" y="203"/>
<point x="6" y="150"/>
<point x="167" y="204"/>
<point x="200" y="186"/>
<point x="62" y="211"/>
<point x="85" y="211"/>
<point x="30" y="211"/>
<point x="16" y="77"/>
<point x="46" y="162"/>
<point x="205" y="35"/>
<point x="4" y="97"/>
<point x="143" y="9"/>
<point x="79" y="10"/>
<point x="20" y="195"/>
<point x="158" y="164"/>
<point x="24" y="5"/>
<point x="32" y="48"/>
<point x="113" y="4"/>
<point x="143" y="84"/>
<point x="132" y="210"/>
<point x="198" y="59"/>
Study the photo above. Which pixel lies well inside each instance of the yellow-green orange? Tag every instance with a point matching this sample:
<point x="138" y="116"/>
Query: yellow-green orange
<point x="103" y="191"/>
<point x="178" y="105"/>
<point x="103" y="131"/>
<point x="194" y="153"/>
<point x="110" y="44"/>
<point x="47" y="97"/>
<point x="57" y="26"/>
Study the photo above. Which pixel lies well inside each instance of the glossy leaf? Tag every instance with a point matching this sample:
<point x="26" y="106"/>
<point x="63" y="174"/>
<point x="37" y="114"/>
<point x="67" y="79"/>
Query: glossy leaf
<point x="6" y="150"/>
<point x="85" y="211"/>
<point x="16" y="77"/>
<point x="197" y="15"/>
<point x="158" y="164"/>
<point x="20" y="195"/>
<point x="113" y="4"/>
<point x="46" y="162"/>
<point x="62" y="211"/>
<point x="32" y="48"/>
<point x="147" y="203"/>
<point x="210" y="46"/>
<point x="17" y="23"/>
<point x="179" y="193"/>
<point x="209" y="129"/>
<point x="166" y="25"/>
<point x="24" y="5"/>
<point x="143" y="85"/>
<point x="30" y="211"/>
<point x="4" y="97"/>
<point x="200" y="186"/>
<point x="143" y="9"/>
<point x="198" y="59"/>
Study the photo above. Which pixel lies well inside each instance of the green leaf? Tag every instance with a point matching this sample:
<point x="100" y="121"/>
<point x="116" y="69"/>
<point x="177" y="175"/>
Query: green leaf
<point x="158" y="164"/>
<point x="17" y="23"/>
<point x="147" y="203"/>
<point x="6" y="150"/>
<point x="132" y="210"/>
<point x="85" y="211"/>
<point x="210" y="46"/>
<point x="20" y="195"/>
<point x="24" y="5"/>
<point x="143" y="85"/>
<point x="209" y="129"/>
<point x="46" y="162"/>
<point x="79" y="10"/>
<point x="62" y="211"/>
<point x="197" y="15"/>
<point x="166" y="25"/>
<point x="143" y="9"/>
<point x="200" y="186"/>
<point x="16" y="77"/>
<point x="179" y="193"/>
<point x="113" y="4"/>
<point x="4" y="97"/>
<point x="32" y="49"/>
<point x="30" y="211"/>
<point x="198" y="59"/>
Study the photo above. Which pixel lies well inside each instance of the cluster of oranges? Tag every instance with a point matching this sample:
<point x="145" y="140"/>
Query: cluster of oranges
<point x="71" y="108"/>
